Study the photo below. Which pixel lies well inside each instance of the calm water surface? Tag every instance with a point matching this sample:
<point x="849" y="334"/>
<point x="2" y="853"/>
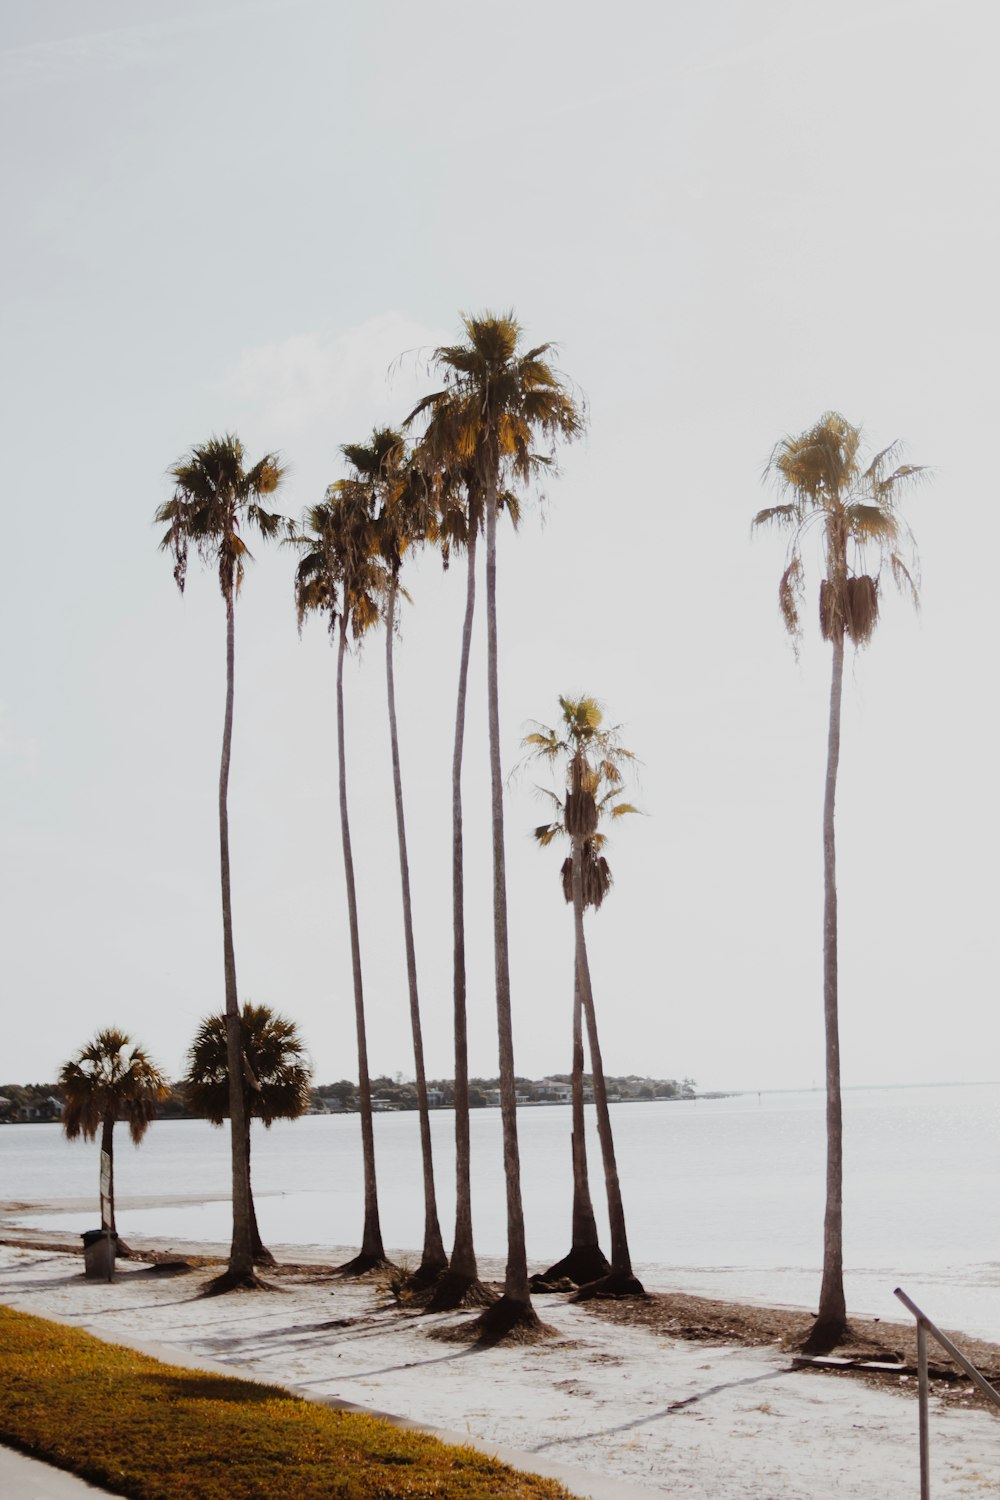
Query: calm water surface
<point x="723" y="1197"/>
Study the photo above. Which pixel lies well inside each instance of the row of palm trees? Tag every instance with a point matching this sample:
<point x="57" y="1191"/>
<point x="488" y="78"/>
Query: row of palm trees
<point x="490" y="428"/>
<point x="479" y="438"/>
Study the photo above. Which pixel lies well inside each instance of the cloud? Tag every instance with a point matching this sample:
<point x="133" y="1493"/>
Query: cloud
<point x="345" y="382"/>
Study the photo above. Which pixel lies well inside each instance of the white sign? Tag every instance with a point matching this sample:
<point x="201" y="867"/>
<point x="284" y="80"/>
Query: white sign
<point x="105" y="1190"/>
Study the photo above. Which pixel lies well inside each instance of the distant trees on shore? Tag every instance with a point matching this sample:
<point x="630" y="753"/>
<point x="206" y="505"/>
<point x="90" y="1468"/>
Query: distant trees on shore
<point x="36" y="1102"/>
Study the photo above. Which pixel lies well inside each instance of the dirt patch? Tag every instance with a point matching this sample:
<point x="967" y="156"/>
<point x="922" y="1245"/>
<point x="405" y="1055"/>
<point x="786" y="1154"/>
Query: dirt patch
<point x="681" y="1316"/>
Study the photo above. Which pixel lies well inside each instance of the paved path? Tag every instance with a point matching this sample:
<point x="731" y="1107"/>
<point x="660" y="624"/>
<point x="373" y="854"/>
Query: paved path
<point x="26" y="1479"/>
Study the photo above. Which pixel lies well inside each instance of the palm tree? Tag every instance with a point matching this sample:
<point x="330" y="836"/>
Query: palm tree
<point x="591" y="757"/>
<point x="215" y="500"/>
<point x="855" y="511"/>
<point x="496" y="404"/>
<point x="458" y="499"/>
<point x="275" y="1082"/>
<point x="404" y="502"/>
<point x="110" y="1079"/>
<point x="341" y="574"/>
<point x="456" y="526"/>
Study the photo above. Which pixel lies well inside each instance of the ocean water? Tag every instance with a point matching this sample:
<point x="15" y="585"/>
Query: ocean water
<point x="722" y="1197"/>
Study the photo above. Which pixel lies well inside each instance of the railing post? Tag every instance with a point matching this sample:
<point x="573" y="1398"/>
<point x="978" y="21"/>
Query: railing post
<point x="925" y="1326"/>
<point x="922" y="1390"/>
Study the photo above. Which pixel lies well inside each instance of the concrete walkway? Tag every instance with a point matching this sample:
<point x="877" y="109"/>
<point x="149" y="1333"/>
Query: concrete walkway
<point x="26" y="1479"/>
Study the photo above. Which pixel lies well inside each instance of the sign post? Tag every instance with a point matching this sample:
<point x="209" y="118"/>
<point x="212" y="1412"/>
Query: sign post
<point x="106" y="1211"/>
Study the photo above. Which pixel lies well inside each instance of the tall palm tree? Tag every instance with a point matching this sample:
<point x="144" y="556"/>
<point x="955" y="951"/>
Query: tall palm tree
<point x="855" y="512"/>
<point x="590" y="757"/>
<point x="458" y="500"/>
<point x="407" y="516"/>
<point x="496" y="404"/>
<point x="455" y="527"/>
<point x="110" y="1079"/>
<point x="216" y="500"/>
<point x="341" y="575"/>
<point x="275" y="1084"/>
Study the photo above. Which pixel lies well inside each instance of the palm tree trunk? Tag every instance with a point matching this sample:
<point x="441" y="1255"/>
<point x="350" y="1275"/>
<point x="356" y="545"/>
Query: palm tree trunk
<point x="372" y="1253"/>
<point x="621" y="1278"/>
<point x="585" y="1261"/>
<point x="433" y="1260"/>
<point x="831" y="1322"/>
<point x="241" y="1251"/>
<point x="514" y="1309"/>
<point x="107" y="1144"/>
<point x="461" y="1285"/>
<point x="584" y="1223"/>
<point x="261" y="1254"/>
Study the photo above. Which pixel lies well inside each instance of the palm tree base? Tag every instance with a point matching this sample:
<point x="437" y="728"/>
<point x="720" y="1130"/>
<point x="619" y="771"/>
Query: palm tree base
<point x="236" y="1281"/>
<point x="583" y="1264"/>
<point x="510" y="1321"/>
<point x="455" y="1290"/>
<point x="826" y="1333"/>
<point x="364" y="1264"/>
<point x="615" y="1284"/>
<point x="426" y="1276"/>
<point x="263" y="1257"/>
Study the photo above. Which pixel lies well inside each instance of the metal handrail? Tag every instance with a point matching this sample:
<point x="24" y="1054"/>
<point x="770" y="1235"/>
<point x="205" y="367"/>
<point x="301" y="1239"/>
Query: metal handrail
<point x="924" y="1327"/>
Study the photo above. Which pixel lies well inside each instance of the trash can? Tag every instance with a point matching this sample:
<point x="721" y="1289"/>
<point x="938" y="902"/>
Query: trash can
<point x="99" y="1249"/>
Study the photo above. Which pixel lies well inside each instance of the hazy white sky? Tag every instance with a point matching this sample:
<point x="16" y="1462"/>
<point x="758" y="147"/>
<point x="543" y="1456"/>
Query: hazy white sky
<point x="731" y="218"/>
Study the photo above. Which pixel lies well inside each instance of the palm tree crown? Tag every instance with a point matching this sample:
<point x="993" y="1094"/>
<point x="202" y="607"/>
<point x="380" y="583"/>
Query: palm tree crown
<point x="593" y="756"/>
<point x="214" y="498"/>
<point x="857" y="512"/>
<point x="340" y="571"/>
<point x="495" y="405"/>
<point x="276" y="1079"/>
<point x="110" y="1079"/>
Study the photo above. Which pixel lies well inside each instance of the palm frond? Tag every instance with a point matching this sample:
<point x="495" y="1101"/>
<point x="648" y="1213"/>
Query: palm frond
<point x="904" y="579"/>
<point x="789" y="594"/>
<point x="777" y="515"/>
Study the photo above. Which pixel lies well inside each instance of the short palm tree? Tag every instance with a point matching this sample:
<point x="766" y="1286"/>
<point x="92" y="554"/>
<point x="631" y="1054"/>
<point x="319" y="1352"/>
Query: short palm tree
<point x="341" y="575"/>
<point x="497" y="403"/>
<point x="854" y="510"/>
<point x="110" y="1079"/>
<point x="216" y="500"/>
<point x="589" y="757"/>
<point x="275" y="1084"/>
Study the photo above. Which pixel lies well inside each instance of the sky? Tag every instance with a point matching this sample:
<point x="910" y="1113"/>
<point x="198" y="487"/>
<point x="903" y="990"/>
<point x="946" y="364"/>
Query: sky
<point x="262" y="218"/>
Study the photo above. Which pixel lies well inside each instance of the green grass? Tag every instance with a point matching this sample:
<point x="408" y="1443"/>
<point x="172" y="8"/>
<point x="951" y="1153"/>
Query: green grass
<point x="158" y="1432"/>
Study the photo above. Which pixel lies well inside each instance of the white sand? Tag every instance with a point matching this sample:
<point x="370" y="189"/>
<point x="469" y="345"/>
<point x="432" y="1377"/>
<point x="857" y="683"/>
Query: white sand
<point x="601" y="1398"/>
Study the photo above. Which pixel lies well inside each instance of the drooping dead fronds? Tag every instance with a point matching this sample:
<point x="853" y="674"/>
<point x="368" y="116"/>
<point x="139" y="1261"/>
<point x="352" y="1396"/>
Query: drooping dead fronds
<point x="862" y="608"/>
<point x="850" y="607"/>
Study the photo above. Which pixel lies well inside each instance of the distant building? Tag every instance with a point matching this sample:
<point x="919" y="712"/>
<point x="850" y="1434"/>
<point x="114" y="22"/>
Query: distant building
<point x="41" y="1109"/>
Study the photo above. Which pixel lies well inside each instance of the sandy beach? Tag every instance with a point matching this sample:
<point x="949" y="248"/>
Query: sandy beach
<point x="607" y="1398"/>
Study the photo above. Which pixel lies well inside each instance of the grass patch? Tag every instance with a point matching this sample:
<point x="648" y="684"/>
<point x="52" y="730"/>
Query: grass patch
<point x="159" y="1432"/>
